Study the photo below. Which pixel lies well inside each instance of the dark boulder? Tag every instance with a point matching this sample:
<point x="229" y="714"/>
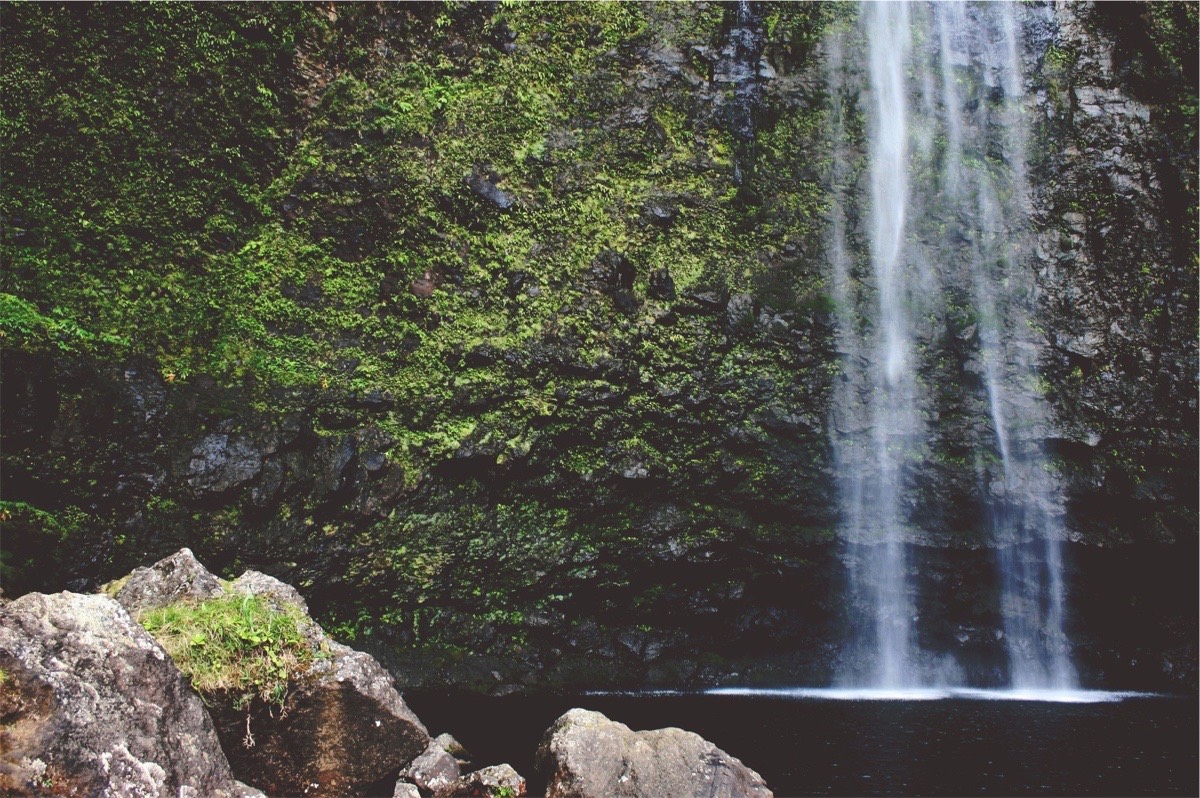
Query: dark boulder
<point x="660" y="212"/>
<point x="661" y="285"/>
<point x="483" y="184"/>
<point x="220" y="462"/>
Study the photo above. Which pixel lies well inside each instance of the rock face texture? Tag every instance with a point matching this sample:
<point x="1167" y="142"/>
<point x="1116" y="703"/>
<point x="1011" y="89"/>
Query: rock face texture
<point x="433" y="771"/>
<point x="93" y="706"/>
<point x="599" y="372"/>
<point x="343" y="729"/>
<point x="492" y="780"/>
<point x="179" y="577"/>
<point x="1114" y="202"/>
<point x="586" y="755"/>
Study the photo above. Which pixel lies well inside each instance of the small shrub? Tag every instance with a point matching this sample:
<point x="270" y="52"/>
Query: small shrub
<point x="238" y="646"/>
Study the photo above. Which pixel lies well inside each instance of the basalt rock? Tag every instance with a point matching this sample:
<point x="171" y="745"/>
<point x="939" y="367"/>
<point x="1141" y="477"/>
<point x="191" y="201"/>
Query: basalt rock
<point x="92" y="705"/>
<point x="220" y="462"/>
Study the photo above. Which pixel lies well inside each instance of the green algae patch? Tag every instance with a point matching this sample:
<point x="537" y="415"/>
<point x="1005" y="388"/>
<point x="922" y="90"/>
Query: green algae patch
<point x="238" y="646"/>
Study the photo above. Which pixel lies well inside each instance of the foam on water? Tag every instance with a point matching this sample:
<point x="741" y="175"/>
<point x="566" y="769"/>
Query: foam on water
<point x="932" y="694"/>
<point x="899" y="694"/>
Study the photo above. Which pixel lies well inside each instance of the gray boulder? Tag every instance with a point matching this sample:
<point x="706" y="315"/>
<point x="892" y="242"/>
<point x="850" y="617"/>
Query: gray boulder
<point x="586" y="755"/>
<point x="278" y="593"/>
<point x="171" y="579"/>
<point x="343" y="728"/>
<point x="453" y="747"/>
<point x="494" y="780"/>
<point x="740" y="311"/>
<point x="94" y="706"/>
<point x="433" y="771"/>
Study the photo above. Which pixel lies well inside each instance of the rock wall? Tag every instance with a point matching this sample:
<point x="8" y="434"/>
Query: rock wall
<point x="1115" y="201"/>
<point x="503" y="333"/>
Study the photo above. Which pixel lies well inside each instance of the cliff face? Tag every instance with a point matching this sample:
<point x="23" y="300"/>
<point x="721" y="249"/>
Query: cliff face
<point x="1115" y="207"/>
<point x="504" y="332"/>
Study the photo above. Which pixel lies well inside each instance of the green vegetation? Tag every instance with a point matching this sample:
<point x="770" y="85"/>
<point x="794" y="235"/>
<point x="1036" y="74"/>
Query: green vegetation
<point x="111" y="589"/>
<point x="235" y="646"/>
<point x="36" y="542"/>
<point x="272" y="223"/>
<point x="251" y="196"/>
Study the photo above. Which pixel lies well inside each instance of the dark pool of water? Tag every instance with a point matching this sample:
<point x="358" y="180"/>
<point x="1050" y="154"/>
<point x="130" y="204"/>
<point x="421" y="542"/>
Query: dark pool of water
<point x="813" y="746"/>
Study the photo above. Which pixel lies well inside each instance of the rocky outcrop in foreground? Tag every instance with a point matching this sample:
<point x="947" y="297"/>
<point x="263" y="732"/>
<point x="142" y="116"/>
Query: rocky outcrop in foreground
<point x="92" y="705"/>
<point x="342" y="729"/>
<point x="586" y="755"/>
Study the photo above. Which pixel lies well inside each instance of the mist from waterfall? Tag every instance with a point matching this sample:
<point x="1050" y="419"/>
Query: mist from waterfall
<point x="946" y="206"/>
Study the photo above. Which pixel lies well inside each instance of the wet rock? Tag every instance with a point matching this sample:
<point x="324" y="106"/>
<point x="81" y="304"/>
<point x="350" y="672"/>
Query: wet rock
<point x="176" y="578"/>
<point x="625" y="301"/>
<point x="144" y="389"/>
<point x="494" y="780"/>
<point x="332" y="456"/>
<point x="740" y="311"/>
<point x="738" y="66"/>
<point x="661" y="285"/>
<point x="516" y="281"/>
<point x="483" y="183"/>
<point x="706" y="300"/>
<point x="660" y="212"/>
<point x="586" y="755"/>
<point x="94" y="706"/>
<point x="220" y="462"/>
<point x="613" y="270"/>
<point x="504" y="38"/>
<point x="635" y="470"/>
<point x="310" y="294"/>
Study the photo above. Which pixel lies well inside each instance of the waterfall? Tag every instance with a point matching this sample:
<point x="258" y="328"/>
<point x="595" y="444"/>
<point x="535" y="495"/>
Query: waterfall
<point x="946" y="232"/>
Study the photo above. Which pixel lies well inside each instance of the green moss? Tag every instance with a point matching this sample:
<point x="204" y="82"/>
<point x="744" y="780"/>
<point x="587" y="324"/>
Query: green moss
<point x="235" y="646"/>
<point x="111" y="589"/>
<point x="272" y="244"/>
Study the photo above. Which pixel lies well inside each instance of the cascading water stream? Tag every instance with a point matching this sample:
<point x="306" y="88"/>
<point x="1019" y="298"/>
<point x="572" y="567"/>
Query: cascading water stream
<point x="946" y="210"/>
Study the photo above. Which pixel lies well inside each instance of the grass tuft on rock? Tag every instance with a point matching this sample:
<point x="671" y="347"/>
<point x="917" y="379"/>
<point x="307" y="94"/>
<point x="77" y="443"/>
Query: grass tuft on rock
<point x="238" y="646"/>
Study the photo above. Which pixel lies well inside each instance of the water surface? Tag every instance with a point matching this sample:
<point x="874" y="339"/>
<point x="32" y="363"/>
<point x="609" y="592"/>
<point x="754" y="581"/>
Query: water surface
<point x="806" y="743"/>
